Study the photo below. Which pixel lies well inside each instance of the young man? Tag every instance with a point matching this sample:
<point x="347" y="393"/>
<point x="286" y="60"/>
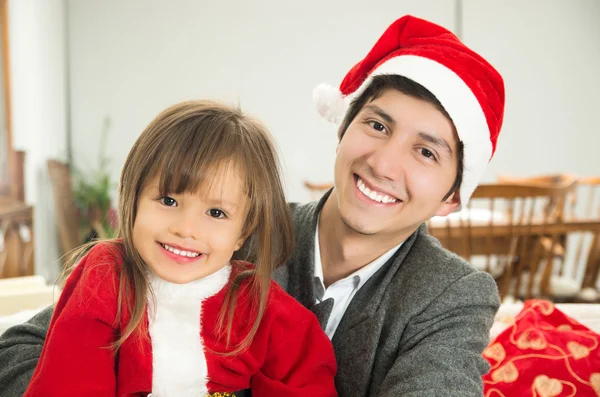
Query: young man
<point x="420" y="116"/>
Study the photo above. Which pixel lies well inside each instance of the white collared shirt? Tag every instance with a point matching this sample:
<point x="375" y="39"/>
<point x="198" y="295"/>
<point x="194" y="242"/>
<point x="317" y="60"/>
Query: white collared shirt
<point x="342" y="291"/>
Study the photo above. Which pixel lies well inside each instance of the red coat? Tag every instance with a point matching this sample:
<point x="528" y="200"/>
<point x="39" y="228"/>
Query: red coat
<point x="289" y="356"/>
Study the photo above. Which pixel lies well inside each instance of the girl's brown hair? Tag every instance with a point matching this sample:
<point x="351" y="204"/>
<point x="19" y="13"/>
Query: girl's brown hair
<point x="183" y="146"/>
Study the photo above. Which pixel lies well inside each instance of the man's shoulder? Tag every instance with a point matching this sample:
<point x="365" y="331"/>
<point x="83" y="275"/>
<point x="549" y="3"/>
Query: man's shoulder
<point x="428" y="250"/>
<point x="428" y="270"/>
<point x="302" y="212"/>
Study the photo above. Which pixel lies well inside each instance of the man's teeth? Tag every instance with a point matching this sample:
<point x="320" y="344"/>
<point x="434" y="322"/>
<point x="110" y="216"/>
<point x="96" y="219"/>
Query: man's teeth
<point x="373" y="195"/>
<point x="189" y="254"/>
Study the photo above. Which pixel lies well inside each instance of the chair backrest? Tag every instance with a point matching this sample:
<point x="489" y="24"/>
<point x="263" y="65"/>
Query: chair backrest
<point x="551" y="180"/>
<point x="502" y="225"/>
<point x="588" y="199"/>
<point x="67" y="217"/>
<point x="14" y="185"/>
<point x="317" y="189"/>
<point x="16" y="238"/>
<point x="16" y="220"/>
<point x="582" y="204"/>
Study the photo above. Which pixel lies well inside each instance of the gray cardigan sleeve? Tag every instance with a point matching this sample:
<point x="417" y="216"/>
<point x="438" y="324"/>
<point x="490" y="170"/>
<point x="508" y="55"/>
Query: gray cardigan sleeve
<point x="442" y="347"/>
<point x="20" y="350"/>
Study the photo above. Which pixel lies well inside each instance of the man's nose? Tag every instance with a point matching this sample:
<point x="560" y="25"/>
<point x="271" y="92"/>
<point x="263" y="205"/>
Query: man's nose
<point x="387" y="162"/>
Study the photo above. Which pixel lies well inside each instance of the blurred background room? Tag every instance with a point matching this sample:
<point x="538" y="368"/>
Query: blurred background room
<point x="82" y="79"/>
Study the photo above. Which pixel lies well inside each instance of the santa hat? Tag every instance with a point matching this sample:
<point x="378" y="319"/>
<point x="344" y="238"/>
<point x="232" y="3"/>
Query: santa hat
<point x="467" y="86"/>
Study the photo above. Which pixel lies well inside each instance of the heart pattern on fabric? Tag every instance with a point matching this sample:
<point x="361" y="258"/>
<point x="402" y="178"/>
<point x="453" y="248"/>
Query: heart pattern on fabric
<point x="532" y="339"/>
<point x="547" y="387"/>
<point x="507" y="373"/>
<point x="546" y="307"/>
<point x="578" y="351"/>
<point x="595" y="381"/>
<point x="565" y="328"/>
<point x="495" y="352"/>
<point x="543" y="355"/>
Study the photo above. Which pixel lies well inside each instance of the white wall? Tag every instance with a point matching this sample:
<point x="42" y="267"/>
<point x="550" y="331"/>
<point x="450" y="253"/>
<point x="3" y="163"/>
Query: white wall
<point x="129" y="60"/>
<point x="37" y="67"/>
<point x="549" y="54"/>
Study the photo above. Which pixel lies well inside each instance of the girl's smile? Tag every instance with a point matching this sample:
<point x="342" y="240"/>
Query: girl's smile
<point x="179" y="254"/>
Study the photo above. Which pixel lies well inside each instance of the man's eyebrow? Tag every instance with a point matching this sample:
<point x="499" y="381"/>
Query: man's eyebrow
<point x="439" y="142"/>
<point x="381" y="113"/>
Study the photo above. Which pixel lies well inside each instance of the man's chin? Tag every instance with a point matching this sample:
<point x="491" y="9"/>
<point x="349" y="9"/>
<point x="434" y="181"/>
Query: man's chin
<point x="360" y="226"/>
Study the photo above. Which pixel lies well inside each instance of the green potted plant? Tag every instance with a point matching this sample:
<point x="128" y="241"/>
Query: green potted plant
<point x="91" y="193"/>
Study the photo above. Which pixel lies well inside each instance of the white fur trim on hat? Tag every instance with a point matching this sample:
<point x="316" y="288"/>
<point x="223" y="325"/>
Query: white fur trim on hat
<point x="330" y="103"/>
<point x="460" y="103"/>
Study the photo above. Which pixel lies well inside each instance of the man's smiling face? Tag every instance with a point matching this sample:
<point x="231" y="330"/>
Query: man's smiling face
<point x="395" y="165"/>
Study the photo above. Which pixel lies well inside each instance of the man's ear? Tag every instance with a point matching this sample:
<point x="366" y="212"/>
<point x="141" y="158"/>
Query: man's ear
<point x="449" y="205"/>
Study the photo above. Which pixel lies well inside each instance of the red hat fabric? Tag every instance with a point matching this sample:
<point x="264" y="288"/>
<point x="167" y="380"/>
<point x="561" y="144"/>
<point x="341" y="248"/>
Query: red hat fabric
<point x="467" y="86"/>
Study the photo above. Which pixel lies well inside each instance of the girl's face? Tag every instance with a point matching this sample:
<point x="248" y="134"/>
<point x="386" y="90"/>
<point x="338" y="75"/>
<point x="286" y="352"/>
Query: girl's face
<point x="185" y="237"/>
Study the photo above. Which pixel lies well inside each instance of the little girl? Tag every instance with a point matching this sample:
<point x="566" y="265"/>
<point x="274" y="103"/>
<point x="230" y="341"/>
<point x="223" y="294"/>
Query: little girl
<point x="163" y="310"/>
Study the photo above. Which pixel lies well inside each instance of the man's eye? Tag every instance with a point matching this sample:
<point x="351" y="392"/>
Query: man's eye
<point x="168" y="201"/>
<point x="428" y="153"/>
<point x="377" y="126"/>
<point x="216" y="213"/>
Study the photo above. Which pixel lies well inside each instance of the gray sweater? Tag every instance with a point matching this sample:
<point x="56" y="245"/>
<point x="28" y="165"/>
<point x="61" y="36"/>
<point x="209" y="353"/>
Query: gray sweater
<point x="416" y="328"/>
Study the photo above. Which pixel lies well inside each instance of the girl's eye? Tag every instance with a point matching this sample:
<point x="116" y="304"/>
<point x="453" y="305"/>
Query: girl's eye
<point x="168" y="201"/>
<point x="428" y="153"/>
<point x="377" y="126"/>
<point x="216" y="213"/>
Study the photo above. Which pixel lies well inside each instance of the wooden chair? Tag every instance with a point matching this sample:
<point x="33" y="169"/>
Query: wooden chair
<point x="583" y="204"/>
<point x="588" y="200"/>
<point x="16" y="239"/>
<point x="509" y="230"/>
<point x="14" y="186"/>
<point x="548" y="180"/>
<point x="317" y="189"/>
<point x="67" y="217"/>
<point x="16" y="222"/>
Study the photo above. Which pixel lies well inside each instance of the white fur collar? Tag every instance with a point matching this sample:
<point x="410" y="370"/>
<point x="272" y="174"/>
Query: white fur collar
<point x="178" y="361"/>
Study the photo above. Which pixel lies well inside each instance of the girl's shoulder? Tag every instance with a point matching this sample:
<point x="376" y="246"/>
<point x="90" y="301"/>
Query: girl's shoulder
<point x="111" y="251"/>
<point x="105" y="257"/>
<point x="98" y="269"/>
<point x="91" y="289"/>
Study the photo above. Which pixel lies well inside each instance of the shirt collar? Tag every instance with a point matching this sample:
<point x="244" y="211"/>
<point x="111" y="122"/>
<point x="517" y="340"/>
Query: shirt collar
<point x="363" y="274"/>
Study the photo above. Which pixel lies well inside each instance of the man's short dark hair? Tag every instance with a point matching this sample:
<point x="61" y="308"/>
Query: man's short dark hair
<point x="385" y="82"/>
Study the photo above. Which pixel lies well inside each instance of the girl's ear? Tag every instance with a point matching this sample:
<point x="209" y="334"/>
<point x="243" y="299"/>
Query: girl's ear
<point x="239" y="243"/>
<point x="245" y="236"/>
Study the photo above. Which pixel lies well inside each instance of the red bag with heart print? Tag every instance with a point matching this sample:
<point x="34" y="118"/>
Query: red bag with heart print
<point x="544" y="353"/>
